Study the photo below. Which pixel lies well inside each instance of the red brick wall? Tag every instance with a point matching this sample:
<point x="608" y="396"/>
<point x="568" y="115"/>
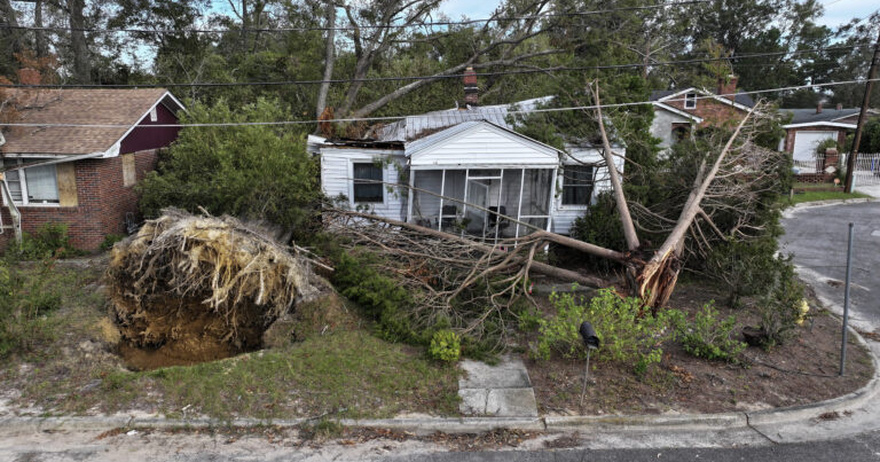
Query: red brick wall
<point x="102" y="203"/>
<point x="713" y="112"/>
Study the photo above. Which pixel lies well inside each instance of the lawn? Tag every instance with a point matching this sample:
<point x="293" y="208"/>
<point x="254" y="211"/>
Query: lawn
<point x="72" y="368"/>
<point x="812" y="192"/>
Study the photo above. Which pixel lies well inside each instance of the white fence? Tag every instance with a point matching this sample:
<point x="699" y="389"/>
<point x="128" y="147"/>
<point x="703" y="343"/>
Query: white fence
<point x="867" y="171"/>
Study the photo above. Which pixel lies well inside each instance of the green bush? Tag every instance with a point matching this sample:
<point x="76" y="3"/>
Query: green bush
<point x="26" y="298"/>
<point x="110" y="240"/>
<point x="258" y="172"/>
<point x="383" y="300"/>
<point x="708" y="337"/>
<point x="780" y="306"/>
<point x="49" y="241"/>
<point x="445" y="346"/>
<point x="628" y="335"/>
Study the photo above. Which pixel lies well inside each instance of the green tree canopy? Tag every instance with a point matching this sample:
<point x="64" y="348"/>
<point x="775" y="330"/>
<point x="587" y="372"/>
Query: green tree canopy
<point x="253" y="172"/>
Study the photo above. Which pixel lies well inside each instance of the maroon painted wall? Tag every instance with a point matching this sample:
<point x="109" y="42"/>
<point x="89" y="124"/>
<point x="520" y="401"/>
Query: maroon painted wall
<point x="143" y="137"/>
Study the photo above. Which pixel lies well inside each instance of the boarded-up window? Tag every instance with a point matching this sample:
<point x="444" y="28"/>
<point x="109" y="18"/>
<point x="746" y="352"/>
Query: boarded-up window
<point x="67" y="184"/>
<point x="129" y="173"/>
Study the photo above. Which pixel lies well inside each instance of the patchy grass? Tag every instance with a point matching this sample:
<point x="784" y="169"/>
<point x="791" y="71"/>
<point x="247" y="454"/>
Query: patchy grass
<point x="812" y="196"/>
<point x="346" y="372"/>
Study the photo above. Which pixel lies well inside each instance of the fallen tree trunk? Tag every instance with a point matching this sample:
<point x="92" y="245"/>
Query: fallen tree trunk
<point x="539" y="267"/>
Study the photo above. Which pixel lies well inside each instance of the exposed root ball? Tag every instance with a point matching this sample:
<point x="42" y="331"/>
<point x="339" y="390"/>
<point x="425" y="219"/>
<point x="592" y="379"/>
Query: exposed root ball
<point x="191" y="284"/>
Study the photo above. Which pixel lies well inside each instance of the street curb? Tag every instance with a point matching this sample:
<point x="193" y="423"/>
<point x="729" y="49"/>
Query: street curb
<point x="614" y="423"/>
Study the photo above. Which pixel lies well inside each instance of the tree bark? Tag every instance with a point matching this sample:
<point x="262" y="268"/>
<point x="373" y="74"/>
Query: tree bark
<point x="329" y="58"/>
<point x="42" y="48"/>
<point x="81" y="62"/>
<point x="629" y="229"/>
<point x="539" y="267"/>
<point x="656" y="280"/>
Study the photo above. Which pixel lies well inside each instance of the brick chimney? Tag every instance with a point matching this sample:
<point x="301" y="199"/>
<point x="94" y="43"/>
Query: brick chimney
<point x="819" y="108"/>
<point x="471" y="91"/>
<point x="839" y="106"/>
<point x="727" y="86"/>
<point x="29" y="76"/>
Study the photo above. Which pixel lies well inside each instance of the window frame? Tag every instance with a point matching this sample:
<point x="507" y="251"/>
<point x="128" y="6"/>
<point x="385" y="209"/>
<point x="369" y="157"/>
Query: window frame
<point x="567" y="186"/>
<point x="690" y="100"/>
<point x="367" y="182"/>
<point x="26" y="200"/>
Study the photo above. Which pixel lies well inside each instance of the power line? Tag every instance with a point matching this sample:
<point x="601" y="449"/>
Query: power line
<point x="438" y="76"/>
<point x="352" y="28"/>
<point x="397" y="118"/>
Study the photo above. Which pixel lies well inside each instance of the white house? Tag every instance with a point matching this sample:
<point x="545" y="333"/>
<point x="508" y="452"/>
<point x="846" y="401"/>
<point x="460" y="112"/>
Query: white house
<point x="465" y="170"/>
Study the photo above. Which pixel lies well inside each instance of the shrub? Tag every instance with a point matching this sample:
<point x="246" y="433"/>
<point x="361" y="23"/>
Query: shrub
<point x="781" y="305"/>
<point x="110" y="240"/>
<point x="382" y="299"/>
<point x="626" y="335"/>
<point x="49" y="241"/>
<point x="708" y="337"/>
<point x="26" y="299"/>
<point x="445" y="346"/>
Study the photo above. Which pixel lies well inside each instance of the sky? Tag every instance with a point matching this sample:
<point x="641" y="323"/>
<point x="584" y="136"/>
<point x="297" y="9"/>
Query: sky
<point x="837" y="12"/>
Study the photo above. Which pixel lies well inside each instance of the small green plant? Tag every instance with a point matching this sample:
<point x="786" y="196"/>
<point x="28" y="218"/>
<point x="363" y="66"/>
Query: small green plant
<point x="781" y="305"/>
<point x="27" y="297"/>
<point x="111" y="239"/>
<point x="627" y="334"/>
<point x="708" y="337"/>
<point x="49" y="241"/>
<point x="445" y="346"/>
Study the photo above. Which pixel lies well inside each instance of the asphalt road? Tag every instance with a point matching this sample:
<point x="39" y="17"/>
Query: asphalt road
<point x="817" y="237"/>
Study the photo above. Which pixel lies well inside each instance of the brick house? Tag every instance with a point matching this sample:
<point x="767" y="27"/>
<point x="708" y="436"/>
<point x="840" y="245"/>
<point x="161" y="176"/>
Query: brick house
<point x="809" y="127"/>
<point x="80" y="167"/>
<point x="678" y="112"/>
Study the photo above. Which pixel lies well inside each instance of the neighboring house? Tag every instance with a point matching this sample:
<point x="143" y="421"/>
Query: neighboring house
<point x="81" y="167"/>
<point x="678" y="112"/>
<point x="453" y="158"/>
<point x="809" y="127"/>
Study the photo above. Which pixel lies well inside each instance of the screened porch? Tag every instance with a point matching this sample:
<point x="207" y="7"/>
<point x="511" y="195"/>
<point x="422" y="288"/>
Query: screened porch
<point x="487" y="203"/>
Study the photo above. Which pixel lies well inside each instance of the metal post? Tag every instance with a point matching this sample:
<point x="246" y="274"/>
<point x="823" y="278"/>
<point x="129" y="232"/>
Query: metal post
<point x="586" y="378"/>
<point x="849" y="248"/>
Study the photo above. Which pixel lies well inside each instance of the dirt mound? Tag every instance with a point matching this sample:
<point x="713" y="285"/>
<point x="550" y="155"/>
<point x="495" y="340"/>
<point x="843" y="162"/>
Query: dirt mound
<point x="193" y="288"/>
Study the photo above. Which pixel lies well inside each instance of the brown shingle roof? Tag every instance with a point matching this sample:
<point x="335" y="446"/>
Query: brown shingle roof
<point x="95" y="107"/>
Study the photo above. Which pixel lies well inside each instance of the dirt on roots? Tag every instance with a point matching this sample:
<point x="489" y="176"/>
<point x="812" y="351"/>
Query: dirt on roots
<point x="188" y="289"/>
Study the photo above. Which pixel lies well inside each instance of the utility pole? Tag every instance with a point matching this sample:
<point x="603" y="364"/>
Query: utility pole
<point x="863" y="114"/>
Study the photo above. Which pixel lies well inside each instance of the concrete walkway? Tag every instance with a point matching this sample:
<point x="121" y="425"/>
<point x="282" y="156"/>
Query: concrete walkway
<point x="503" y="390"/>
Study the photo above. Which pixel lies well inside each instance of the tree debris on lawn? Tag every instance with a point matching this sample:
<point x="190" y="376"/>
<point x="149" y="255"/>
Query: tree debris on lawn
<point x="202" y="287"/>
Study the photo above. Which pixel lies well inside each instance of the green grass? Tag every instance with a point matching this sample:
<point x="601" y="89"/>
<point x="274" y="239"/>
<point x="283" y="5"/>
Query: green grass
<point x="812" y="196"/>
<point x="345" y="373"/>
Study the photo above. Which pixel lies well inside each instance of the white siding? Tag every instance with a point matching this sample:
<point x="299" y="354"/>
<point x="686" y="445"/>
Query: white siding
<point x="336" y="178"/>
<point x="564" y="215"/>
<point x="485" y="145"/>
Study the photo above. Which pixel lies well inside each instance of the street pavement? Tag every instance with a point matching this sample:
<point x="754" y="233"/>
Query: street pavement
<point x="817" y="237"/>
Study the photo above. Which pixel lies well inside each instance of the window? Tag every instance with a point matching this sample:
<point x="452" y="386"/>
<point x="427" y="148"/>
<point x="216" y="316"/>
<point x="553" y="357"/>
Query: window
<point x="690" y="101"/>
<point x="367" y="183"/>
<point x="33" y="185"/>
<point x="577" y="184"/>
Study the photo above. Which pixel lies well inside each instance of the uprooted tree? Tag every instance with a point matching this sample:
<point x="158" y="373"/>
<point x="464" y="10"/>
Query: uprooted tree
<point x="201" y="287"/>
<point x="463" y="283"/>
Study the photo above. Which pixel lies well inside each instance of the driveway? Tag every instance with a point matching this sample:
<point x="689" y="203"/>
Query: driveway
<point x="817" y="237"/>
